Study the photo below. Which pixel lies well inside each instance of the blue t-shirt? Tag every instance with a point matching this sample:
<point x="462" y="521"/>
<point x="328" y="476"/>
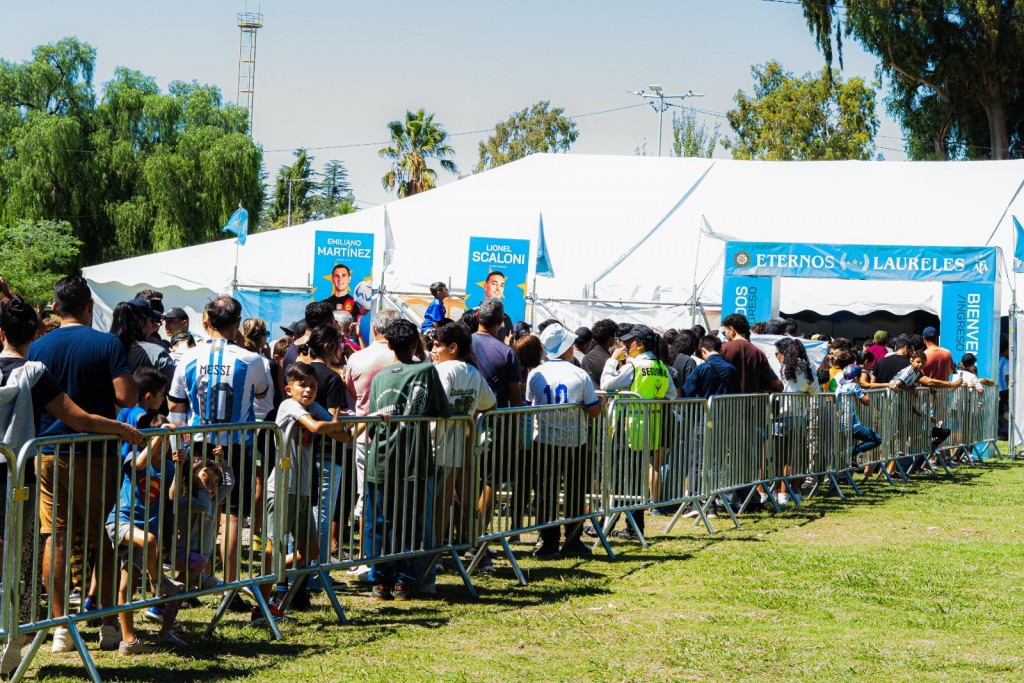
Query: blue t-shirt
<point x="141" y="496"/>
<point x="498" y="363"/>
<point x="435" y="313"/>
<point x="1004" y="370"/>
<point x="85" y="362"/>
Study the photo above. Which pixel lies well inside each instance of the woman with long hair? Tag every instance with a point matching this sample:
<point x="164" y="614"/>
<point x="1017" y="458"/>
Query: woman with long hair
<point x="132" y="322"/>
<point x="790" y="426"/>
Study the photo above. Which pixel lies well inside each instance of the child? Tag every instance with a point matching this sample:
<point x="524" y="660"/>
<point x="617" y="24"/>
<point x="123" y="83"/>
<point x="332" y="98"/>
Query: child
<point x="847" y="392"/>
<point x="300" y="389"/>
<point x="906" y="381"/>
<point x="435" y="311"/>
<point x="397" y="496"/>
<point x="134" y="523"/>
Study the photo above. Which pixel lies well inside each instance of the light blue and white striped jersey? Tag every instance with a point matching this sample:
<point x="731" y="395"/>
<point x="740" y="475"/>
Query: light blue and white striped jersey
<point x="220" y="382"/>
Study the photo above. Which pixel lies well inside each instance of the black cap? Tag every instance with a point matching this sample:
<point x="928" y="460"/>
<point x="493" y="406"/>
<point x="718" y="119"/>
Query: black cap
<point x="642" y="334"/>
<point x="296" y="329"/>
<point x="143" y="306"/>
<point x="175" y="314"/>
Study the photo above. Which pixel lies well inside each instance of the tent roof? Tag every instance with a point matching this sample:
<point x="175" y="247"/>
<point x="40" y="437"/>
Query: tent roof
<point x="629" y="228"/>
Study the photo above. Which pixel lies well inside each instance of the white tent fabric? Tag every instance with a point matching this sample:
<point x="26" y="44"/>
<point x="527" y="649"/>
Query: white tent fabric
<point x="626" y="230"/>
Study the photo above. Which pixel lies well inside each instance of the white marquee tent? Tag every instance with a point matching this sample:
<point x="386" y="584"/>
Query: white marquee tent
<point x="623" y="231"/>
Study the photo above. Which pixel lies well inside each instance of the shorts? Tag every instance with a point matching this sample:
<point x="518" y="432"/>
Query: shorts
<point x="298" y="517"/>
<point x="92" y="488"/>
<point x="126" y="552"/>
<point x="239" y="457"/>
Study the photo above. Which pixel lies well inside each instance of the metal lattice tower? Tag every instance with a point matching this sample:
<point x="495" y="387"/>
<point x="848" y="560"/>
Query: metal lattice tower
<point x="248" y="24"/>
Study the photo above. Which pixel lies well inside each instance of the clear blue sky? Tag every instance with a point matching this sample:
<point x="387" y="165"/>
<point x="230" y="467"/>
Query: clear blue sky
<point x="332" y="74"/>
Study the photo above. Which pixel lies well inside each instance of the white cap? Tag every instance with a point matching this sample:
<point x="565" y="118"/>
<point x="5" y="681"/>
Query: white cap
<point x="556" y="340"/>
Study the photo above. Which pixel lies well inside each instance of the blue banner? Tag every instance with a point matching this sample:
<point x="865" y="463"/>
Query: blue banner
<point x="498" y="268"/>
<point x="970" y="323"/>
<point x="343" y="273"/>
<point x="861" y="261"/>
<point x="755" y="298"/>
<point x="277" y="308"/>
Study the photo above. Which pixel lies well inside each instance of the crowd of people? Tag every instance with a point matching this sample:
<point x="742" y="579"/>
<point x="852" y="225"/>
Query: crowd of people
<point x="60" y="377"/>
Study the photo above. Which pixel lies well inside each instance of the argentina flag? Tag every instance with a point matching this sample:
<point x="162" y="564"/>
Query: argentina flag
<point x="238" y="224"/>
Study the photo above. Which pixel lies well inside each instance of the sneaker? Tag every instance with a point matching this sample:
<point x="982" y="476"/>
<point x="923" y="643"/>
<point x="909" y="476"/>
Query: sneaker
<point x="626" y="534"/>
<point x="547" y="552"/>
<point x="485" y="565"/>
<point x="237" y="604"/>
<point x="170" y="639"/>
<point x="471" y="553"/>
<point x="208" y="581"/>
<point x="75" y="599"/>
<point x="169" y="587"/>
<point x="402" y="592"/>
<point x="360" y="573"/>
<point x="782" y="499"/>
<point x="576" y="549"/>
<point x="381" y="592"/>
<point x="427" y="588"/>
<point x="62" y="641"/>
<point x="136" y="647"/>
<point x="301" y="602"/>
<point x="11" y="659"/>
<point x="589" y="530"/>
<point x="691" y="512"/>
<point x="256" y="617"/>
<point x="110" y="637"/>
<point x="155" y="613"/>
<point x="713" y="512"/>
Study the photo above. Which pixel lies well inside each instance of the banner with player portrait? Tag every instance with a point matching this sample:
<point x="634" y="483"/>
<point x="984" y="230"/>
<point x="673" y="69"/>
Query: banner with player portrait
<point x="498" y="267"/>
<point x="343" y="272"/>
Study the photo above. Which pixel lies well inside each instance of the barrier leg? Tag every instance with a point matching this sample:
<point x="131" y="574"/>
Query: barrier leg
<point x="835" y="485"/>
<point x="728" y="508"/>
<point x="853" y="482"/>
<point x="636" y="529"/>
<point x="511" y="559"/>
<point x="261" y="602"/>
<point x="601" y="537"/>
<point x="900" y="470"/>
<point x="465" y="577"/>
<point x="83" y="651"/>
<point x="325" y="581"/>
<point x="37" y="642"/>
<point x="703" y="517"/>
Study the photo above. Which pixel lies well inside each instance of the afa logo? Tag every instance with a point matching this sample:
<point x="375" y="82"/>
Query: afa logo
<point x="741" y="259"/>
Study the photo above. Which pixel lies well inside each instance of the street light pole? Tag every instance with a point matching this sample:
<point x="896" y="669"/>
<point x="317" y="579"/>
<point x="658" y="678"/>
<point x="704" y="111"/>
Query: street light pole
<point x="660" y="105"/>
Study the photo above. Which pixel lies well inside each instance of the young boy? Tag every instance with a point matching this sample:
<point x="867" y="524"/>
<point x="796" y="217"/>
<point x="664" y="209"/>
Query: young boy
<point x="848" y="391"/>
<point x="134" y="523"/>
<point x="398" y="489"/>
<point x="300" y="388"/>
<point x="436" y="311"/>
<point x="906" y="381"/>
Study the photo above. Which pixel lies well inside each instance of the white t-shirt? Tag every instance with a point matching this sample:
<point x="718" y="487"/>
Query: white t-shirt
<point x="301" y="480"/>
<point x="219" y="381"/>
<point x="558" y="382"/>
<point x="467" y="392"/>
<point x="262" y="406"/>
<point x="800" y="385"/>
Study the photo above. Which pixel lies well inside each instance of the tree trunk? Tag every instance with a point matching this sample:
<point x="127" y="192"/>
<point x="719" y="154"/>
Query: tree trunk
<point x="999" y="139"/>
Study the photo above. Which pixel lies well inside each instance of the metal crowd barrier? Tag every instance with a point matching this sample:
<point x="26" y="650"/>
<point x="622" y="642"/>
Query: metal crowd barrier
<point x="421" y="503"/>
<point x="7" y="586"/>
<point x="83" y="511"/>
<point x="536" y="475"/>
<point x="652" y="458"/>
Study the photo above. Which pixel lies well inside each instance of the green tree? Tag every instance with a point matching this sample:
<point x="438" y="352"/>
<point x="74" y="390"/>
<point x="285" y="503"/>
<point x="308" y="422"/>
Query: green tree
<point x="35" y="254"/>
<point x="535" y="129"/>
<point x="413" y="142"/>
<point x="139" y="171"/>
<point x="814" y="117"/>
<point x="690" y="137"/>
<point x="334" y="193"/>
<point x="294" y="188"/>
<point x="953" y="67"/>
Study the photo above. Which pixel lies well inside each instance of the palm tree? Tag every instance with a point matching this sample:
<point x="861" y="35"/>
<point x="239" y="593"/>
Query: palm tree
<point x="413" y="141"/>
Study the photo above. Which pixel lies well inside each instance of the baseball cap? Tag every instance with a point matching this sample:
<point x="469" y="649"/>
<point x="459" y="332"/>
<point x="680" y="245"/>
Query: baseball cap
<point x="175" y="314"/>
<point x="851" y="372"/>
<point x="142" y="305"/>
<point x="881" y="336"/>
<point x="183" y="337"/>
<point x="641" y="333"/>
<point x="929" y="332"/>
<point x="556" y="340"/>
<point x="296" y="329"/>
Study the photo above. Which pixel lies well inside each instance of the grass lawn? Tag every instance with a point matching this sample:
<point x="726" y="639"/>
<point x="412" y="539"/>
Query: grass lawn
<point x="915" y="583"/>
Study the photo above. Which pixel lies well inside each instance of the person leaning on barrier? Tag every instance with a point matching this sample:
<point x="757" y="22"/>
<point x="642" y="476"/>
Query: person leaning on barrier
<point x="906" y="381"/>
<point x="848" y="391"/>
<point x="217" y="382"/>
<point x="561" y="441"/>
<point x="397" y="517"/>
<point x="715" y="376"/>
<point x="92" y="367"/>
<point x="495" y="360"/>
<point x="633" y="367"/>
<point x="134" y="323"/>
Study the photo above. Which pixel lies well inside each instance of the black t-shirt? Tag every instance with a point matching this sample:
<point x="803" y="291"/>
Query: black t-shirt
<point x="683" y="365"/>
<point x="888" y="367"/>
<point x="330" y="390"/>
<point x="45" y="390"/>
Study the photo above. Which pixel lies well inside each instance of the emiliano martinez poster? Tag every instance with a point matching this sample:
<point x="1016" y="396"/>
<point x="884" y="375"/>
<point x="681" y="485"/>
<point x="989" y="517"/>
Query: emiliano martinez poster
<point x="498" y="267"/>
<point x="341" y="263"/>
